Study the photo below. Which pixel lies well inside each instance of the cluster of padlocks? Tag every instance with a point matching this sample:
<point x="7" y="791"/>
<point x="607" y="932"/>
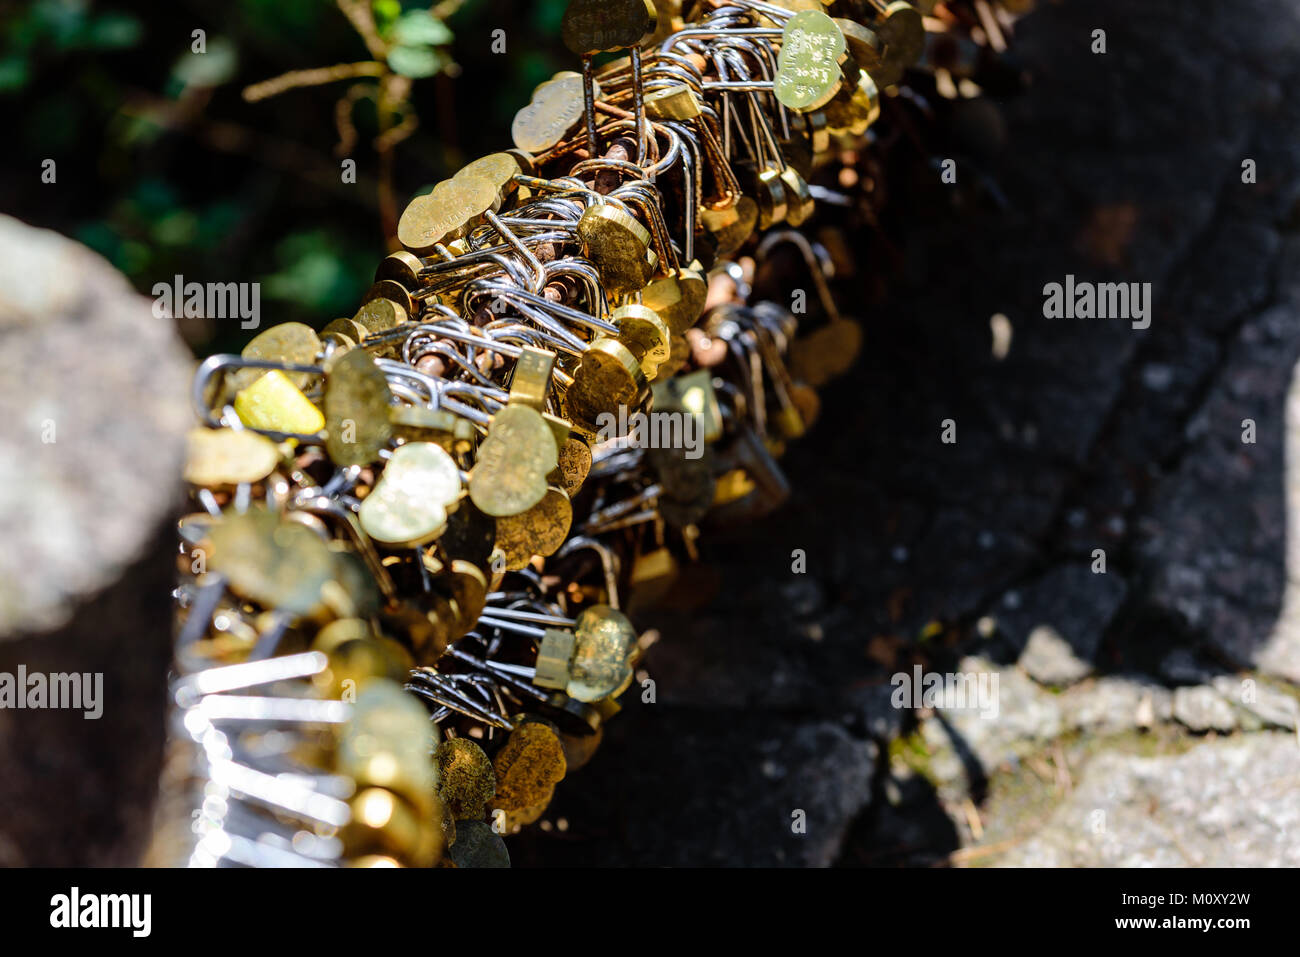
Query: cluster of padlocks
<point x="398" y="620"/>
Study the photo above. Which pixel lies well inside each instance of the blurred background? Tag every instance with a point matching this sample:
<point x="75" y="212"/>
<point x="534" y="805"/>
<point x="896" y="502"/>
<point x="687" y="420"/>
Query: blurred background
<point x="165" y="169"/>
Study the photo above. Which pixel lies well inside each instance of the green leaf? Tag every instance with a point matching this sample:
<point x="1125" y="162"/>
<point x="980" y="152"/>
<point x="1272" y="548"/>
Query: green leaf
<point x="114" y="31"/>
<point x="62" y="22"/>
<point x="386" y="11"/>
<point x="417" y="27"/>
<point x="415" y="61"/>
<point x="315" y="272"/>
<point x="13" y="73"/>
<point x="179" y="227"/>
<point x="209" y="69"/>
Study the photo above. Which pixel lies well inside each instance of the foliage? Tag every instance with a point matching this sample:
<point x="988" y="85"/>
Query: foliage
<point x="165" y="168"/>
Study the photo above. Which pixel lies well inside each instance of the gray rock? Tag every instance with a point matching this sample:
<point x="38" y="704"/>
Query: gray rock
<point x="964" y="744"/>
<point x="909" y="827"/>
<point x="681" y="788"/>
<point x="1049" y="659"/>
<point x="880" y="719"/>
<point x="1057" y="623"/>
<point x="1107" y="179"/>
<point x="1181" y="666"/>
<point x="1202" y="709"/>
<point x="1222" y="804"/>
<point x="1113" y="705"/>
<point x="94" y="400"/>
<point x="1260" y="705"/>
<point x="1219" y="545"/>
<point x="93" y="394"/>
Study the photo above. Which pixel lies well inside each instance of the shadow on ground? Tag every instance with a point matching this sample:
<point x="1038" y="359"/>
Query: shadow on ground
<point x="1089" y="435"/>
